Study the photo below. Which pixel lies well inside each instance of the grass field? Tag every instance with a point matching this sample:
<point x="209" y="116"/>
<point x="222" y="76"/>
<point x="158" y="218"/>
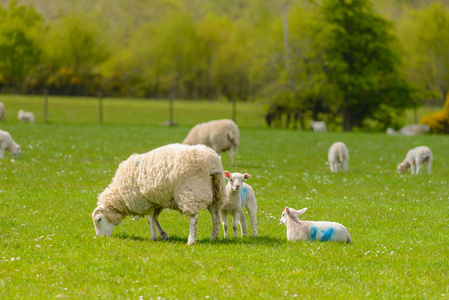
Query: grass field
<point x="48" y="248"/>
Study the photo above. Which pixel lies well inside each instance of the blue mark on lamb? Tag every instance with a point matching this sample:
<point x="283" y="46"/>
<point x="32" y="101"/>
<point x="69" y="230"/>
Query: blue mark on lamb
<point x="327" y="234"/>
<point x="243" y="193"/>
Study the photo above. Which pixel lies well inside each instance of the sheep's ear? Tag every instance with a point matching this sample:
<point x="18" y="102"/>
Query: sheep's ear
<point x="227" y="174"/>
<point x="246" y="176"/>
<point x="301" y="211"/>
<point x="287" y="210"/>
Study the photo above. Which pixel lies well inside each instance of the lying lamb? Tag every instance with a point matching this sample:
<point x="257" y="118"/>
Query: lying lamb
<point x="338" y="155"/>
<point x="416" y="157"/>
<point x="238" y="196"/>
<point x="7" y="143"/>
<point x="25" y="116"/>
<point x="319" y="126"/>
<point x="312" y="230"/>
<point x="220" y="135"/>
<point x="180" y="177"/>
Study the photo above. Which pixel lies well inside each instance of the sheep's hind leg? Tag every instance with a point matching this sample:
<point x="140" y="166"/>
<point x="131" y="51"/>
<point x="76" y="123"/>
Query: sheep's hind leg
<point x="215" y="222"/>
<point x="193" y="229"/>
<point x="224" y="222"/>
<point x="162" y="232"/>
<point x="243" y="225"/>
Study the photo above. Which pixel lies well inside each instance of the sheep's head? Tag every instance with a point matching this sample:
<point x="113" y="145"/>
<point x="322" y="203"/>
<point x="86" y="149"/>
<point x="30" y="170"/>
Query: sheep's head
<point x="103" y="226"/>
<point x="291" y="213"/>
<point x="236" y="180"/>
<point x="16" y="152"/>
<point x="402" y="167"/>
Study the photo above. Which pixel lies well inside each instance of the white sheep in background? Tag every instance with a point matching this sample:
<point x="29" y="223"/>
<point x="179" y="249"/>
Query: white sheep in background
<point x="181" y="177"/>
<point x="415" y="129"/>
<point x="415" y="158"/>
<point x="338" y="155"/>
<point x="7" y="143"/>
<point x="220" y="135"/>
<point x="238" y="196"/>
<point x="2" y="111"/>
<point x="25" y="116"/>
<point x="312" y="230"/>
<point x="319" y="126"/>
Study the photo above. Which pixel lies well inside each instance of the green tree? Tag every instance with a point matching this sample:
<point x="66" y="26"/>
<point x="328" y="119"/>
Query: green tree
<point x="360" y="62"/>
<point x="19" y="50"/>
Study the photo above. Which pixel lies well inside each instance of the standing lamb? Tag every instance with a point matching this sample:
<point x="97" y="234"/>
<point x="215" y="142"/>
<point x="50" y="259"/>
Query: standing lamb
<point x="416" y="157"/>
<point x="220" y="135"/>
<point x="312" y="230"/>
<point x="7" y="143"/>
<point x="238" y="196"/>
<point x="26" y="116"/>
<point x="2" y="111"/>
<point x="181" y="177"/>
<point x="319" y="126"/>
<point x="338" y="155"/>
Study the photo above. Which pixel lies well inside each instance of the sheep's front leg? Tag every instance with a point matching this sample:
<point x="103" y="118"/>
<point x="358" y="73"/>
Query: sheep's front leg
<point x="418" y="168"/>
<point x="151" y="222"/>
<point x="429" y="165"/>
<point x="224" y="222"/>
<point x="193" y="229"/>
<point x="412" y="168"/>
<point x="235" y="223"/>
<point x="162" y="232"/>
<point x="243" y="226"/>
<point x="344" y="166"/>
<point x="215" y="222"/>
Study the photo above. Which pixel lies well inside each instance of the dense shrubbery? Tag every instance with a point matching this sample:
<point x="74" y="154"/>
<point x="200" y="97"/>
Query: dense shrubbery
<point x="438" y="121"/>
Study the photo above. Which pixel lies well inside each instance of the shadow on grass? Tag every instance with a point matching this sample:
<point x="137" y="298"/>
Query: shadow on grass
<point x="260" y="240"/>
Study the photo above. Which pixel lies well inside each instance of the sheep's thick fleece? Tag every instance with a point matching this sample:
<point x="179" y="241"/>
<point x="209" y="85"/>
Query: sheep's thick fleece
<point x="7" y="143"/>
<point x="220" y="135"/>
<point x="338" y="155"/>
<point x="415" y="158"/>
<point x="175" y="176"/>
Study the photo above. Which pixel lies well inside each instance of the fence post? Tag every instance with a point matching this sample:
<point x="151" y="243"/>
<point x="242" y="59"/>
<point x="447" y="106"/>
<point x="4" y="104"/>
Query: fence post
<point x="100" y="107"/>
<point x="45" y="105"/>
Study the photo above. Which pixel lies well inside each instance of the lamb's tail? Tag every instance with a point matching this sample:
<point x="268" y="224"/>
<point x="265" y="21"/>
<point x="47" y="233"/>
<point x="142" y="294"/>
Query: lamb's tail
<point x="426" y="154"/>
<point x="218" y="187"/>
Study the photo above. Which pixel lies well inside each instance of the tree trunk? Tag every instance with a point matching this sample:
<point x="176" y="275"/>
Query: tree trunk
<point x="348" y="118"/>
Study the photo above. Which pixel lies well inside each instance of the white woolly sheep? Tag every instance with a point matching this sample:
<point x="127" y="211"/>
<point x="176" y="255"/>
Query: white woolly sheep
<point x="415" y="158"/>
<point x="238" y="196"/>
<point x="7" y="143"/>
<point x="312" y="230"/>
<point x="415" y="129"/>
<point x="220" y="135"/>
<point x="181" y="177"/>
<point x="319" y="126"/>
<point x="338" y="155"/>
<point x="2" y="111"/>
<point x="26" y="116"/>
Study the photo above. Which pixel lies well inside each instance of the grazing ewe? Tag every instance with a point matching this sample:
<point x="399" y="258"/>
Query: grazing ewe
<point x="416" y="157"/>
<point x="7" y="143"/>
<point x="415" y="129"/>
<point x="312" y="230"/>
<point x="319" y="126"/>
<point x="25" y="116"/>
<point x="181" y="177"/>
<point x="220" y="135"/>
<point x="338" y="155"/>
<point x="2" y="111"/>
<point x="238" y="196"/>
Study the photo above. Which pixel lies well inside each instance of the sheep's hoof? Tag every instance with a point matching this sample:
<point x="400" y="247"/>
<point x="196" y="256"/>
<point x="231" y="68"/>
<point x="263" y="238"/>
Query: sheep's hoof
<point x="164" y="236"/>
<point x="191" y="243"/>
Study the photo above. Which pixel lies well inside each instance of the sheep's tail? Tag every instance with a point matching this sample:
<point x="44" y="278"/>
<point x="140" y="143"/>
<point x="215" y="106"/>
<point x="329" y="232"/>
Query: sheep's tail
<point x="218" y="187"/>
<point x="426" y="154"/>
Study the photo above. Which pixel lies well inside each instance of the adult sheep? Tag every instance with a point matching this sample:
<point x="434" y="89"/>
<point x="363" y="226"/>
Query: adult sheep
<point x="338" y="155"/>
<point x="181" y="177"/>
<point x="25" y="116"/>
<point x="220" y="135"/>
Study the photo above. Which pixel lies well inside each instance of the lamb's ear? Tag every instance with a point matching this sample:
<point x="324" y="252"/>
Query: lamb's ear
<point x="227" y="174"/>
<point x="287" y="210"/>
<point x="301" y="211"/>
<point x="246" y="176"/>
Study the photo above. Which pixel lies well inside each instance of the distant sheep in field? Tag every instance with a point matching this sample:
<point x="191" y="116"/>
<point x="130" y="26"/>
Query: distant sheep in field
<point x="338" y="155"/>
<point x="7" y="143"/>
<point x="415" y="158"/>
<point x="220" y="135"/>
<point x="180" y="177"/>
<point x="312" y="230"/>
<point x="319" y="126"/>
<point x="25" y="116"/>
<point x="416" y="129"/>
<point x="2" y="111"/>
<point x="238" y="196"/>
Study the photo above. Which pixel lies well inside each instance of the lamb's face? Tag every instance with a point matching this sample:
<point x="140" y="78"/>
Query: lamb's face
<point x="236" y="180"/>
<point x="402" y="168"/>
<point x="102" y="225"/>
<point x="16" y="153"/>
<point x="284" y="218"/>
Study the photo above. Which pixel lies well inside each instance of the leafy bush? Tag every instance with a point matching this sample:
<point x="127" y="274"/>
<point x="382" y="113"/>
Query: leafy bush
<point x="438" y="121"/>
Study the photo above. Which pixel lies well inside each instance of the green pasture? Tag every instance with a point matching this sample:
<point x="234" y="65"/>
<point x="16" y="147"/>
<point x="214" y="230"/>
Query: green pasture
<point x="48" y="247"/>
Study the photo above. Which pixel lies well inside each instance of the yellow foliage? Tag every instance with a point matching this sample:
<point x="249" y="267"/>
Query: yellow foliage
<point x="438" y="121"/>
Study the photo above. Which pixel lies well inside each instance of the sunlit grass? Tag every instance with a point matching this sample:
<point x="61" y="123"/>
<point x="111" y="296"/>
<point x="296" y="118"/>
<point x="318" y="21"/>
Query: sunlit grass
<point x="48" y="247"/>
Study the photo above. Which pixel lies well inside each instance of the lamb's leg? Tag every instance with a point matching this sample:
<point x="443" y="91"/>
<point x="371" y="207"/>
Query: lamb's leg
<point x="243" y="226"/>
<point x="235" y="222"/>
<point x="2" y="152"/>
<point x="412" y="169"/>
<point x="193" y="229"/>
<point x="224" y="222"/>
<point x="215" y="222"/>
<point x="331" y="165"/>
<point x="418" y="168"/>
<point x="251" y="206"/>
<point x="162" y="232"/>
<point x="429" y="165"/>
<point x="335" y="167"/>
<point x="344" y="166"/>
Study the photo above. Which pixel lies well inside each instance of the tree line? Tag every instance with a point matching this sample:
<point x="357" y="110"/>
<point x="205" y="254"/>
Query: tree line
<point x="334" y="60"/>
